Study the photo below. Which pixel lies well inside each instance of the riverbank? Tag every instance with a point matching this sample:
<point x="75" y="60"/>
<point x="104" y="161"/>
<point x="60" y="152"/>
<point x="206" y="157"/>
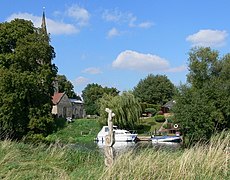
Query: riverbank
<point x="26" y="161"/>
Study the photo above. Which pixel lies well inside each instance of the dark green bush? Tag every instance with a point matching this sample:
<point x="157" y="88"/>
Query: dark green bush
<point x="151" y="110"/>
<point x="159" y="118"/>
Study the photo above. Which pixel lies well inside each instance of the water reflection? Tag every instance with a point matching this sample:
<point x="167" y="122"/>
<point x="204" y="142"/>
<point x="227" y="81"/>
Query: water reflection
<point x="110" y="153"/>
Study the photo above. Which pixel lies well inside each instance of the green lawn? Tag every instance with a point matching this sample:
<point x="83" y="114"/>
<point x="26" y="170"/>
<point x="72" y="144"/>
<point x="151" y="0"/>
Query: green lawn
<point x="81" y="130"/>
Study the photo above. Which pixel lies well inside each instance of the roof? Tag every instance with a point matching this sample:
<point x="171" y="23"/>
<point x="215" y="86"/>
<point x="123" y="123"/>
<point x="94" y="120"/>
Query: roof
<point x="57" y="97"/>
<point x="169" y="104"/>
<point x="76" y="101"/>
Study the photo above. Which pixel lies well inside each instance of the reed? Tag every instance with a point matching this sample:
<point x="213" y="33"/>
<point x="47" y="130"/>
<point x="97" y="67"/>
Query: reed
<point x="203" y="161"/>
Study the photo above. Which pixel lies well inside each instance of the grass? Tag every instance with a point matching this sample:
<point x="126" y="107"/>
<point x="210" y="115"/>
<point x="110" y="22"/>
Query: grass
<point x="199" y="162"/>
<point x="25" y="161"/>
<point x="81" y="130"/>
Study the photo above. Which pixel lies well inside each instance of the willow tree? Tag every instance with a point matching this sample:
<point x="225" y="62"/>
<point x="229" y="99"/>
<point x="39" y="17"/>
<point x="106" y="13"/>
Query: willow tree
<point x="126" y="108"/>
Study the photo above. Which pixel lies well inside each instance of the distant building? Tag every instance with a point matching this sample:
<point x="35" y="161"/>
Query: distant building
<point x="62" y="107"/>
<point x="168" y="106"/>
<point x="65" y="107"/>
<point x="77" y="108"/>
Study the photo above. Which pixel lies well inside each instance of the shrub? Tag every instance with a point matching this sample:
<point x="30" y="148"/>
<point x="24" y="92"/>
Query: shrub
<point x="151" y="110"/>
<point x="159" y="118"/>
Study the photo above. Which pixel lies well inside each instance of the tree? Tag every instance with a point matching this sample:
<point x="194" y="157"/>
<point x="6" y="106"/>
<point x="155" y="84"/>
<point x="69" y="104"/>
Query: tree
<point x="126" y="107"/>
<point x="66" y="86"/>
<point x="26" y="77"/>
<point x="92" y="93"/>
<point x="154" y="89"/>
<point x="202" y="106"/>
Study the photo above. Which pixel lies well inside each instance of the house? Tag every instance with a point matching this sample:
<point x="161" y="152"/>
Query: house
<point x="168" y="106"/>
<point x="62" y="106"/>
<point x="77" y="108"/>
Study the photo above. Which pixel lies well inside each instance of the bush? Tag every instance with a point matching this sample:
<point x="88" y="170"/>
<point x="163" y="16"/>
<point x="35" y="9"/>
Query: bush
<point x="159" y="118"/>
<point x="151" y="110"/>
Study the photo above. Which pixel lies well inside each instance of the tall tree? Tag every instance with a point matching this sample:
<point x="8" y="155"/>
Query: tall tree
<point x="154" y="89"/>
<point x="64" y="85"/>
<point x="202" y="106"/>
<point x="26" y="76"/>
<point x="126" y="107"/>
<point x="92" y="93"/>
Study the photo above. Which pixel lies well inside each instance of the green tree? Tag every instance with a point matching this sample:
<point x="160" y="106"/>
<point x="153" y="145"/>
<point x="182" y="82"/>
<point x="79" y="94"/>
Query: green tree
<point x="154" y="89"/>
<point x="92" y="93"/>
<point x="64" y="85"/>
<point x="202" y="106"/>
<point x="26" y="76"/>
<point x="126" y="107"/>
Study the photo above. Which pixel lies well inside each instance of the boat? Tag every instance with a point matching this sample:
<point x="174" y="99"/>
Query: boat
<point x="175" y="139"/>
<point x="121" y="135"/>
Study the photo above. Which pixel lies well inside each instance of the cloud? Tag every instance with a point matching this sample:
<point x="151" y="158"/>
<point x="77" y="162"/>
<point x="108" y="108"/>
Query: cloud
<point x="145" y="25"/>
<point x="137" y="61"/>
<point x="80" y="14"/>
<point x="208" y="37"/>
<point x="81" y="81"/>
<point x="177" y="69"/>
<point x="119" y="17"/>
<point x="113" y="32"/>
<point x="92" y="70"/>
<point x="53" y="27"/>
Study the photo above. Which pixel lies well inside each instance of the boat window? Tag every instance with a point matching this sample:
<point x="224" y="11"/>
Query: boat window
<point x="106" y="129"/>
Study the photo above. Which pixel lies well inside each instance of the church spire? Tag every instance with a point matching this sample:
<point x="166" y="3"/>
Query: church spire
<point x="44" y="22"/>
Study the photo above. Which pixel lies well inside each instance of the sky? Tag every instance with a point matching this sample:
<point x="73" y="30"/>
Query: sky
<point x="116" y="43"/>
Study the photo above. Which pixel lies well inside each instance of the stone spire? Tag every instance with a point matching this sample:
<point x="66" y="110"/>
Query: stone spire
<point x="44" y="22"/>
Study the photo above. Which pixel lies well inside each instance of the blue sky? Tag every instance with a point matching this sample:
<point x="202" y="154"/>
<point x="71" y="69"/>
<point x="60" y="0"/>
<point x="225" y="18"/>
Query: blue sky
<point x="116" y="43"/>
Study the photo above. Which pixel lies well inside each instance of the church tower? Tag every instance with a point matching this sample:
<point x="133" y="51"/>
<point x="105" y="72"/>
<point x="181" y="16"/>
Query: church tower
<point x="43" y="26"/>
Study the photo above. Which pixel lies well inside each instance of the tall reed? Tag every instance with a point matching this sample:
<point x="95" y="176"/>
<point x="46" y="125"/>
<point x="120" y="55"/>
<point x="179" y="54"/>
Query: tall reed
<point x="203" y="161"/>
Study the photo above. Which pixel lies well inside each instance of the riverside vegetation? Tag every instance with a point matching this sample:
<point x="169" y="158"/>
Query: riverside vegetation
<point x="19" y="160"/>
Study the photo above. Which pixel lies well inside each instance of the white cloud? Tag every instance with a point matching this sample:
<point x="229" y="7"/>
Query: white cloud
<point x="145" y="25"/>
<point x="177" y="69"/>
<point x="81" y="81"/>
<point x="208" y="37"/>
<point x="92" y="70"/>
<point x="113" y="32"/>
<point x="119" y="17"/>
<point x="80" y="14"/>
<point x="137" y="61"/>
<point x="53" y="27"/>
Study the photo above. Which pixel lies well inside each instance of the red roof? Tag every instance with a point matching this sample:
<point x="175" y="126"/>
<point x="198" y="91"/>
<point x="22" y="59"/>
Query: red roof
<point x="57" y="97"/>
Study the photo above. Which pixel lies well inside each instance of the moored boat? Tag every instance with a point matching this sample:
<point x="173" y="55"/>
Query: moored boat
<point x="121" y="135"/>
<point x="175" y="139"/>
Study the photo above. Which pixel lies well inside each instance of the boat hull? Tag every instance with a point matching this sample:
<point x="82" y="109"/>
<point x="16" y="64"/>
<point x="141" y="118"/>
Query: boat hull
<point x="175" y="139"/>
<point x="120" y="138"/>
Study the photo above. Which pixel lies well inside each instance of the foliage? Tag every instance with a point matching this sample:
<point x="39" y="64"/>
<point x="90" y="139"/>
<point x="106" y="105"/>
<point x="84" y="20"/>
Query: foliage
<point x="126" y="108"/>
<point x="159" y="118"/>
<point x="202" y="106"/>
<point x="64" y="85"/>
<point x="92" y="93"/>
<point x="154" y="89"/>
<point x="26" y="77"/>
<point x="151" y="110"/>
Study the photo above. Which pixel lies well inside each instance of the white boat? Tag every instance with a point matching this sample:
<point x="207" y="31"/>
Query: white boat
<point x="156" y="139"/>
<point x="121" y="135"/>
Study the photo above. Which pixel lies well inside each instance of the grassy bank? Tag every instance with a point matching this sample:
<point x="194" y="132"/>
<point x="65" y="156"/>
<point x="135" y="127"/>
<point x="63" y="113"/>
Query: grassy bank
<point x="23" y="161"/>
<point x="81" y="130"/>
